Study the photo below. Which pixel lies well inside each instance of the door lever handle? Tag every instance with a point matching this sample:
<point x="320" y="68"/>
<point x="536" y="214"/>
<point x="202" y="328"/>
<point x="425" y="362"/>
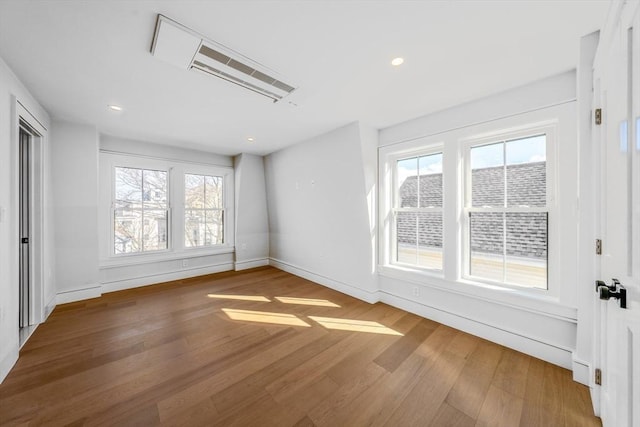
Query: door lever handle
<point x="612" y="287"/>
<point x="607" y="293"/>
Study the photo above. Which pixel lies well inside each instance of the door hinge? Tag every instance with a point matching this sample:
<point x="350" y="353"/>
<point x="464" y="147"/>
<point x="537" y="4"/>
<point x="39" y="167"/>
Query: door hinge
<point x="598" y="114"/>
<point x="598" y="376"/>
<point x="598" y="247"/>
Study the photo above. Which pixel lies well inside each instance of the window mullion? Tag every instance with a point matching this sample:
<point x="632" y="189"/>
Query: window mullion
<point x="142" y="245"/>
<point x="505" y="204"/>
<point x="417" y="239"/>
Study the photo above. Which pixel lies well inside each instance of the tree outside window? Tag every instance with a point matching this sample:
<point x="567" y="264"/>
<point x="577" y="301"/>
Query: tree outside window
<point x="204" y="210"/>
<point x="140" y="210"/>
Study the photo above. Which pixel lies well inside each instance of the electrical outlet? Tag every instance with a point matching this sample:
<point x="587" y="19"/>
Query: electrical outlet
<point x="185" y="263"/>
<point x="416" y="291"/>
<point x="244" y="247"/>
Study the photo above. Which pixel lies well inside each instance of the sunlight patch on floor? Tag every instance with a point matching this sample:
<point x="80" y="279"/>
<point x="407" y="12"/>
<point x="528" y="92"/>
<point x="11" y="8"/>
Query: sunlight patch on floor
<point x="265" y="317"/>
<point x="258" y="298"/>
<point x="354" y="325"/>
<point x="307" y="301"/>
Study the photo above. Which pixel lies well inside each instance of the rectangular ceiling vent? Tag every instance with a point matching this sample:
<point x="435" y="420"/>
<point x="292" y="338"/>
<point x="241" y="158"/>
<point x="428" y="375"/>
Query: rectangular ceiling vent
<point x="187" y="49"/>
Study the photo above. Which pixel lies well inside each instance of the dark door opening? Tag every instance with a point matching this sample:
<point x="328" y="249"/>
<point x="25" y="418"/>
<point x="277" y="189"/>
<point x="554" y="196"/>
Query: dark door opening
<point x="25" y="228"/>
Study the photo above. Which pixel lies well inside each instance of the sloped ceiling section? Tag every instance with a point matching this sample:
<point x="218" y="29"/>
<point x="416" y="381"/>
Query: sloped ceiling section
<point x="78" y="56"/>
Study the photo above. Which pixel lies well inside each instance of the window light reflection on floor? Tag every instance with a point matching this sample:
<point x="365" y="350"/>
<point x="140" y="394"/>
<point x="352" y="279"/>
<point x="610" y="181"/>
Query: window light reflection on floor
<point x="307" y="301"/>
<point x="265" y="317"/>
<point x="354" y="325"/>
<point x="258" y="298"/>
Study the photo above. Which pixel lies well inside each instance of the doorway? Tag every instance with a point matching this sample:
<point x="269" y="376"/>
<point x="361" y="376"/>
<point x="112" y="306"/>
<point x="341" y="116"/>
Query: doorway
<point x="28" y="224"/>
<point x="24" y="195"/>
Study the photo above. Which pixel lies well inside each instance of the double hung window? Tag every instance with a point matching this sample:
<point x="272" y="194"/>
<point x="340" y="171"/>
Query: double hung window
<point x="140" y="210"/>
<point x="506" y="211"/>
<point x="418" y="211"/>
<point x="161" y="209"/>
<point x="474" y="207"/>
<point x="204" y="210"/>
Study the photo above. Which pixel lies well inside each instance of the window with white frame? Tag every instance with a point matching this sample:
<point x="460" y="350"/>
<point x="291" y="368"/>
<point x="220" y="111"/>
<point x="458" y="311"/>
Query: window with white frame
<point x="140" y="210"/>
<point x="482" y="209"/>
<point x="160" y="208"/>
<point x="506" y="211"/>
<point x="204" y="210"/>
<point x="417" y="211"/>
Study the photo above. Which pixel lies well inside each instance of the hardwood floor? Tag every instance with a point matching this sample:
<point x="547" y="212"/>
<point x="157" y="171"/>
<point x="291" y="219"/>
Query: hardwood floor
<point x="265" y="348"/>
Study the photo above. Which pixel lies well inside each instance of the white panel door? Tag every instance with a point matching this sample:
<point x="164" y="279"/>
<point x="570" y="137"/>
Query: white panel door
<point x="617" y="92"/>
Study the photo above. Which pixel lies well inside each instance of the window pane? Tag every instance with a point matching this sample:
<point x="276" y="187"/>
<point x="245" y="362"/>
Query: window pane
<point x="487" y="175"/>
<point x="487" y="248"/>
<point x="407" y="173"/>
<point x="128" y="184"/>
<point x="430" y="240"/>
<point x="213" y="192"/>
<point x="406" y="234"/>
<point x="526" y="262"/>
<point x="527" y="172"/>
<point x="213" y="227"/>
<point x="194" y="191"/>
<point x="154" y="194"/>
<point x="128" y="231"/>
<point x="430" y="180"/>
<point x="194" y="228"/>
<point x="203" y="228"/>
<point x="155" y="230"/>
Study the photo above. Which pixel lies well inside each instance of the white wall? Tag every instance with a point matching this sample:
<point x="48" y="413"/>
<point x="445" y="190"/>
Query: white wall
<point x="320" y="196"/>
<point x="11" y="90"/>
<point x="252" y="223"/>
<point x="75" y="190"/>
<point x="541" y="325"/>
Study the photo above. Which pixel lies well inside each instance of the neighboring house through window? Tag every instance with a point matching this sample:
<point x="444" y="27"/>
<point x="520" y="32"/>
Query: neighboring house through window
<point x="418" y="211"/>
<point x="161" y="209"/>
<point x="506" y="211"/>
<point x="140" y="211"/>
<point x="473" y="206"/>
<point x="204" y="210"/>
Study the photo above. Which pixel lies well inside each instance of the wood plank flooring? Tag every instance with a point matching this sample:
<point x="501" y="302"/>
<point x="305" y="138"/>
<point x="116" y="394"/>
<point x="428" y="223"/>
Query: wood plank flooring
<point x="265" y="348"/>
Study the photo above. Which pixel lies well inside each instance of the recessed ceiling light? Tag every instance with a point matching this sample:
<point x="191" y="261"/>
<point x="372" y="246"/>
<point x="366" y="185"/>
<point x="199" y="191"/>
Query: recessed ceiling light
<point x="115" y="107"/>
<point x="250" y="139"/>
<point x="397" y="61"/>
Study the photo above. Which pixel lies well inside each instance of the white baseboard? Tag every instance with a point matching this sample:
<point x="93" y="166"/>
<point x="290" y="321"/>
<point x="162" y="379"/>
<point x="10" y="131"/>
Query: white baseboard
<point x="7" y="363"/>
<point x="551" y="353"/>
<point x="136" y="282"/>
<point x="251" y="263"/>
<point x="581" y="371"/>
<point x="345" y="288"/>
<point x="48" y="309"/>
<point x="92" y="291"/>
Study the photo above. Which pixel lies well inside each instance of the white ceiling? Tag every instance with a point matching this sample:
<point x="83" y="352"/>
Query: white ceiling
<point x="76" y="57"/>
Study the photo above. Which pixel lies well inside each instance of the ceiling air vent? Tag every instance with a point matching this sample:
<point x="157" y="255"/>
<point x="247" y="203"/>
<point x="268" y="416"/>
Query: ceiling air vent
<point x="187" y="49"/>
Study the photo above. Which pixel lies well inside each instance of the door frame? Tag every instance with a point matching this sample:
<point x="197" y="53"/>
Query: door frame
<point x="24" y="119"/>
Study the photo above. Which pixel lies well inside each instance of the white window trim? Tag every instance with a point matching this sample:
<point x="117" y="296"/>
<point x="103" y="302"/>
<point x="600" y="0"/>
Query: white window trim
<point x="175" y="200"/>
<point x="557" y="300"/>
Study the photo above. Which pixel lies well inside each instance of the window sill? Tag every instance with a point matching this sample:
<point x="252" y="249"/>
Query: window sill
<point x="150" y="258"/>
<point x="533" y="300"/>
